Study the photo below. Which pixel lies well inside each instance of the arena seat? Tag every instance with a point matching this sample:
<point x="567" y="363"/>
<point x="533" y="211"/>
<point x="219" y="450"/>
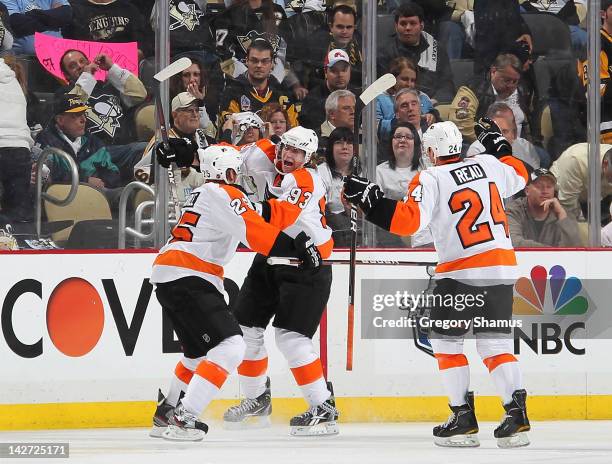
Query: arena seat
<point x="463" y="71"/>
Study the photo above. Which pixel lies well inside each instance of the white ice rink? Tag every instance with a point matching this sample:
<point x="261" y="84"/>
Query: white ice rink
<point x="583" y="442"/>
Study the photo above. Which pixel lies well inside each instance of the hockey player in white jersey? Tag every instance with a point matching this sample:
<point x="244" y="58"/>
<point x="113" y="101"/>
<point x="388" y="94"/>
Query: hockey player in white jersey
<point x="188" y="275"/>
<point x="293" y="199"/>
<point x="461" y="200"/>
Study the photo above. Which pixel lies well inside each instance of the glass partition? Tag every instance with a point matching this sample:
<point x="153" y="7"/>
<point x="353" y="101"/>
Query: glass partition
<point x="291" y="63"/>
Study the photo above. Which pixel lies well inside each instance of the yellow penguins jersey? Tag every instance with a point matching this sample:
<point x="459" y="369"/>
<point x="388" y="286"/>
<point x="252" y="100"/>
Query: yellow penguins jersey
<point x="216" y="218"/>
<point x="296" y="201"/>
<point x="462" y="203"/>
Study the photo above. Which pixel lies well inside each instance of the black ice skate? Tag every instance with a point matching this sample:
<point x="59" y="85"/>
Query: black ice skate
<point x="184" y="426"/>
<point x="251" y="413"/>
<point x="511" y="431"/>
<point x="161" y="416"/>
<point x="318" y="420"/>
<point x="461" y="428"/>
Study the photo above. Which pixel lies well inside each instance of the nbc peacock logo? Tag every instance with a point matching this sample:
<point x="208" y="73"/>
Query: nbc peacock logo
<point x="549" y="293"/>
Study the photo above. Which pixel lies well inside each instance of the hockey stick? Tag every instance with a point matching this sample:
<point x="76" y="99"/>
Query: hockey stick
<point x="274" y="261"/>
<point x="376" y="88"/>
<point x="178" y="66"/>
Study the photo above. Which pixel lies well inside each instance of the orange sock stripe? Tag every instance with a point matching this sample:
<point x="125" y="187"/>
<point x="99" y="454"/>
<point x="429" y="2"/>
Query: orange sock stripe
<point x="212" y="372"/>
<point x="182" y="373"/>
<point x="308" y="373"/>
<point x="448" y="361"/>
<point x="493" y="361"/>
<point x="253" y="368"/>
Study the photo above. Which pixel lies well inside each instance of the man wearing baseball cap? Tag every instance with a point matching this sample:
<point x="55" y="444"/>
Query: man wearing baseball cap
<point x="538" y="219"/>
<point x="67" y="131"/>
<point x="337" y="69"/>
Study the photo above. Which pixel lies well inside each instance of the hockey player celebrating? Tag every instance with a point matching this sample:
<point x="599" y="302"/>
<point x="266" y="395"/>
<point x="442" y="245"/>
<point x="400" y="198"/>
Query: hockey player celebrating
<point x="294" y="201"/>
<point x="188" y="274"/>
<point x="461" y="202"/>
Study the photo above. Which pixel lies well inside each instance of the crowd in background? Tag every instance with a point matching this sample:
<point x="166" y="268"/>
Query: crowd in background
<point x="260" y="67"/>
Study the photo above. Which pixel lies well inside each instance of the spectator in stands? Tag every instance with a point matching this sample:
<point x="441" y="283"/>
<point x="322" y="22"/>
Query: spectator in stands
<point x="456" y="28"/>
<point x="434" y="76"/>
<point x="244" y="22"/>
<point x="522" y="149"/>
<point x="338" y="164"/>
<point x="30" y="16"/>
<point x="472" y="101"/>
<point x="15" y="145"/>
<point x="256" y="87"/>
<point x="341" y="35"/>
<point x="185" y="124"/>
<point x="606" y="232"/>
<point x="190" y="30"/>
<point x="337" y="77"/>
<point x="110" y="104"/>
<point x="67" y="131"/>
<point x="275" y="119"/>
<point x="605" y="57"/>
<point x="566" y="11"/>
<point x="498" y="26"/>
<point x="194" y="80"/>
<point x="572" y="172"/>
<point x="6" y="36"/>
<point x="339" y="112"/>
<point x="538" y="219"/>
<point x="298" y="30"/>
<point x="108" y="21"/>
<point x="242" y="128"/>
<point x="394" y="176"/>
<point x="405" y="72"/>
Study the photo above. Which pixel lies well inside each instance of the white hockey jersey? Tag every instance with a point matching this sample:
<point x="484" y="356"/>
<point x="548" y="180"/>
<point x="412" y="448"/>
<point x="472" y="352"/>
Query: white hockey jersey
<point x="216" y="218"/>
<point x="462" y="203"/>
<point x="297" y="200"/>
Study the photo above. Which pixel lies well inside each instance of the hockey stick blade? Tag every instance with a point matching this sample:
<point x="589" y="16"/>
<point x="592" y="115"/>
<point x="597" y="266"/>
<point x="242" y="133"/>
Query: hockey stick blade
<point x="377" y="87"/>
<point x="178" y="66"/>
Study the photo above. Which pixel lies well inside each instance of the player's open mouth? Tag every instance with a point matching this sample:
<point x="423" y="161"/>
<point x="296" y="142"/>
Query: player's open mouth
<point x="288" y="163"/>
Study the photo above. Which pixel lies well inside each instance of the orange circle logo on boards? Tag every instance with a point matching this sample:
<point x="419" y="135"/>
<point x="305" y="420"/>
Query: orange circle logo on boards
<point x="75" y="317"/>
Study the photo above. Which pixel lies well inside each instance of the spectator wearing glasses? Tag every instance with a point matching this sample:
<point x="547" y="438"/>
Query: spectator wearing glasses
<point x="502" y="85"/>
<point x="256" y="87"/>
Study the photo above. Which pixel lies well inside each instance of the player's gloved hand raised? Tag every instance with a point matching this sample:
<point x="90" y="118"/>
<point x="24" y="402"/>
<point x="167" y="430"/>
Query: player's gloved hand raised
<point x="490" y="135"/>
<point x="307" y="252"/>
<point x="181" y="152"/>
<point x="360" y="191"/>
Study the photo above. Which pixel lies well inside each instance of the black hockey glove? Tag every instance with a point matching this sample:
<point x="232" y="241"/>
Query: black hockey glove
<point x="181" y="152"/>
<point x="489" y="134"/>
<point x="360" y="191"/>
<point x="307" y="252"/>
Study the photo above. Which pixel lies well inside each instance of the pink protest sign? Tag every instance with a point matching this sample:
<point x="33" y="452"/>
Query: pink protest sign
<point x="49" y="51"/>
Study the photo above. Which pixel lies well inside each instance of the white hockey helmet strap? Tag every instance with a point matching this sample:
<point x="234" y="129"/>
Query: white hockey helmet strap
<point x="301" y="138"/>
<point x="217" y="159"/>
<point x="443" y="138"/>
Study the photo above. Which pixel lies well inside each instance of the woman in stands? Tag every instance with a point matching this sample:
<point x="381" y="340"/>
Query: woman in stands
<point x="276" y="120"/>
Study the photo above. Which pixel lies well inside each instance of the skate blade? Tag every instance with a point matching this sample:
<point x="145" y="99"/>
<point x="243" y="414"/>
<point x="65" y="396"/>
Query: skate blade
<point x="458" y="441"/>
<point x="517" y="440"/>
<point x="173" y="433"/>
<point x="249" y="423"/>
<point x="325" y="428"/>
<point x="157" y="431"/>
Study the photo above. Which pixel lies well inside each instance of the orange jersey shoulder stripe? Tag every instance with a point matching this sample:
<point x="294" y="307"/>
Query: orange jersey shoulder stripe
<point x="326" y="248"/>
<point x="407" y="216"/>
<point x="184" y="259"/>
<point x="518" y="166"/>
<point x="267" y="147"/>
<point x="260" y="235"/>
<point x="284" y="213"/>
<point x="496" y="257"/>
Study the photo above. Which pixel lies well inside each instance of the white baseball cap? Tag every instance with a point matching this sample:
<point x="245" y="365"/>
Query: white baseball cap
<point x="182" y="100"/>
<point x="335" y="56"/>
